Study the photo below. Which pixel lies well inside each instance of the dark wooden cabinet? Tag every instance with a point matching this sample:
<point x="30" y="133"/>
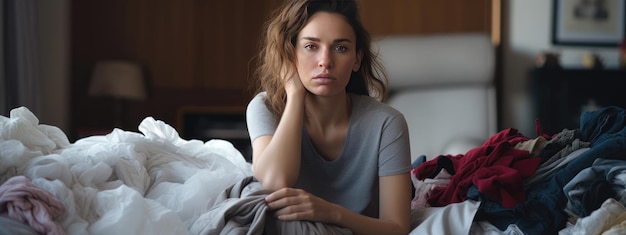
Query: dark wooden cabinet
<point x="208" y="123"/>
<point x="561" y="95"/>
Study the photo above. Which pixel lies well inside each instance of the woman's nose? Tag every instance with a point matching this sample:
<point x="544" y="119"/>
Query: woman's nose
<point x="325" y="59"/>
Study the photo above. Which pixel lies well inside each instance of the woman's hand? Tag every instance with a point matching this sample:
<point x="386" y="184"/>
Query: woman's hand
<point x="297" y="204"/>
<point x="293" y="84"/>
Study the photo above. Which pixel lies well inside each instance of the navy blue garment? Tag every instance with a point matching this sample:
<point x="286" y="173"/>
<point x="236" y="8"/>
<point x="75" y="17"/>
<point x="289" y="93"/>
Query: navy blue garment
<point x="596" y="194"/>
<point x="602" y="124"/>
<point x="542" y="212"/>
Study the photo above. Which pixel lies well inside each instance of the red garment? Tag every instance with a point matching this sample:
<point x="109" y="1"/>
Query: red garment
<point x="540" y="131"/>
<point x="27" y="203"/>
<point x="496" y="151"/>
<point x="505" y="183"/>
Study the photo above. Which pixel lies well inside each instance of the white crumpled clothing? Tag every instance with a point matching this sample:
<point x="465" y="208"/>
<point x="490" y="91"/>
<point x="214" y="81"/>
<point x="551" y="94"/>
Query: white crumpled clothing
<point x="598" y="221"/>
<point x="127" y="182"/>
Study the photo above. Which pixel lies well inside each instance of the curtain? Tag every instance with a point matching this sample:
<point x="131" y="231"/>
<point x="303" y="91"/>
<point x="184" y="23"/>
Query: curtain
<point x="19" y="61"/>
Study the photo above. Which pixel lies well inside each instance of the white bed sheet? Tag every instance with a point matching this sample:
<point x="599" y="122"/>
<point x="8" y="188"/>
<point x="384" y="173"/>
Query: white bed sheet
<point x="455" y="218"/>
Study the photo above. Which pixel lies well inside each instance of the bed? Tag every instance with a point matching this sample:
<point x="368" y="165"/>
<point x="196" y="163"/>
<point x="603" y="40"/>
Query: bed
<point x="467" y="179"/>
<point x="154" y="182"/>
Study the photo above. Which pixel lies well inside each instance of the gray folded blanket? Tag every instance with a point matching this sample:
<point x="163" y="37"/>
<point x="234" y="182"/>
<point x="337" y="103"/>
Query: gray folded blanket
<point x="241" y="209"/>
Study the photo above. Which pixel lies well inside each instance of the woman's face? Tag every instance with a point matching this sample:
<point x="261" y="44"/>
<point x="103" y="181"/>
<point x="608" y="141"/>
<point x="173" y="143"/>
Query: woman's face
<point x="326" y="54"/>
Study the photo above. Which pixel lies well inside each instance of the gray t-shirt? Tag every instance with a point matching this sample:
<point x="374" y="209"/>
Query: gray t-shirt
<point x="377" y="144"/>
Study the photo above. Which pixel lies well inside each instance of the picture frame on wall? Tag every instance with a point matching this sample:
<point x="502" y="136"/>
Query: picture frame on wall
<point x="588" y="22"/>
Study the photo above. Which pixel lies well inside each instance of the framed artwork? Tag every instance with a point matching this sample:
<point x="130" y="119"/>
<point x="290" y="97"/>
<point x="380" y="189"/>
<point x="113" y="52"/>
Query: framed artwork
<point x="588" y="22"/>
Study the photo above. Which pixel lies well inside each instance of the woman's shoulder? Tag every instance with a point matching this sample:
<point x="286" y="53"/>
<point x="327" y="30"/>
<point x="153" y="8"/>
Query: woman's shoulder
<point x="258" y="99"/>
<point x="257" y="104"/>
<point x="367" y="105"/>
<point x="368" y="113"/>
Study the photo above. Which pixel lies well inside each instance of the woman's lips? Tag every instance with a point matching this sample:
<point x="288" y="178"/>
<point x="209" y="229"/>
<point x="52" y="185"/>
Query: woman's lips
<point x="323" y="78"/>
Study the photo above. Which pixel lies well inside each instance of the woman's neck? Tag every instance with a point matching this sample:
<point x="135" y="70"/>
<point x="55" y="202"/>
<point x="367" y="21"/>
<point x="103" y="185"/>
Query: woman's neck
<point x="328" y="112"/>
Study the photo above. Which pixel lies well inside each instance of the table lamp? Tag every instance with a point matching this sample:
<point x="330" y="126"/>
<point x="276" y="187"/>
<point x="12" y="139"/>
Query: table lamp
<point x="121" y="80"/>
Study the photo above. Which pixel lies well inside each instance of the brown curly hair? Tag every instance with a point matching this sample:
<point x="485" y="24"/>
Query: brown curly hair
<point x="278" y="50"/>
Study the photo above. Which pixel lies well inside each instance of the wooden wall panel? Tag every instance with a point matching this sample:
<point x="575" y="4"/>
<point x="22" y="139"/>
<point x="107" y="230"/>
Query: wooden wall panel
<point x="394" y="17"/>
<point x="199" y="52"/>
<point x="229" y="38"/>
<point x="164" y="37"/>
<point x="96" y="34"/>
<point x="195" y="52"/>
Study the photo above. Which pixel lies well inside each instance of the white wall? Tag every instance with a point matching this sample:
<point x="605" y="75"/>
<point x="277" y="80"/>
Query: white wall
<point x="527" y="28"/>
<point x="54" y="39"/>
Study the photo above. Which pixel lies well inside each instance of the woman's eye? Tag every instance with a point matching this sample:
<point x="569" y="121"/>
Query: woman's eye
<point x="341" y="48"/>
<point x="309" y="47"/>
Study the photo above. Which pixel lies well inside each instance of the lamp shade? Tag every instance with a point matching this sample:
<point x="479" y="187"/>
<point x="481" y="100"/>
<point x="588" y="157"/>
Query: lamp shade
<point x="119" y="79"/>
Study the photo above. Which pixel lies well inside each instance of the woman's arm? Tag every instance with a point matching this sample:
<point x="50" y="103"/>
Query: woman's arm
<point x="276" y="158"/>
<point x="394" y="215"/>
<point x="395" y="209"/>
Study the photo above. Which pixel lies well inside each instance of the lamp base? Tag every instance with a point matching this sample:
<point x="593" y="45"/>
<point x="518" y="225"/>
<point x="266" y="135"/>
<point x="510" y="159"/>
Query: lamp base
<point x="119" y="112"/>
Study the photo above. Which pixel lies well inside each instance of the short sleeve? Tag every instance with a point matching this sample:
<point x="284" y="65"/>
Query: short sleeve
<point x="259" y="119"/>
<point x="395" y="154"/>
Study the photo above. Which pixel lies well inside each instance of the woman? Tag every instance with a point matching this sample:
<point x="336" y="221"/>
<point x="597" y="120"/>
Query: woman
<point x="326" y="149"/>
